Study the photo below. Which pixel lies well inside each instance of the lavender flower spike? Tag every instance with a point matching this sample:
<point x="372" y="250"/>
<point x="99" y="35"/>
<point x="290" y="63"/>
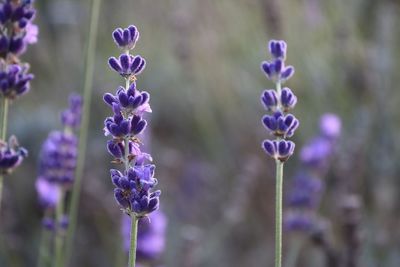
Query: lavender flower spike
<point x="17" y="32"/>
<point x="280" y="124"/>
<point x="57" y="163"/>
<point x="134" y="186"/>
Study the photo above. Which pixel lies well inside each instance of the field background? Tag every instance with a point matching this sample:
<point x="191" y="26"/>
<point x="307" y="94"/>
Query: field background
<point x="204" y="78"/>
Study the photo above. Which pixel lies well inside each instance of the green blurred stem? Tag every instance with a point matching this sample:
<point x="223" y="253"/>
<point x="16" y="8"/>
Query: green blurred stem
<point x="293" y="251"/>
<point x="5" y="119"/>
<point x="43" y="256"/>
<point x="134" y="218"/>
<point x="132" y="250"/>
<point x="278" y="214"/>
<point x="87" y="95"/>
<point x="3" y="137"/>
<point x="58" y="255"/>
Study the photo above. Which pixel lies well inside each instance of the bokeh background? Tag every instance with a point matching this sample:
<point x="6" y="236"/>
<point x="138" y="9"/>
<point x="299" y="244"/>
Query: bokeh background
<point x="205" y="81"/>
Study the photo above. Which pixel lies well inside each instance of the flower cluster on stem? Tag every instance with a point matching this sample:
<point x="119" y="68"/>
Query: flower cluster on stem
<point x="133" y="185"/>
<point x="17" y="31"/>
<point x="57" y="163"/>
<point x="279" y="123"/>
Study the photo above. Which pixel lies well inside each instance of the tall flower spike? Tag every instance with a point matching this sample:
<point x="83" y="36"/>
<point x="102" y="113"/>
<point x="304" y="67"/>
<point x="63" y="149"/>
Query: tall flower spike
<point x="57" y="163"/>
<point x="17" y="31"/>
<point x="280" y="124"/>
<point x="134" y="186"/>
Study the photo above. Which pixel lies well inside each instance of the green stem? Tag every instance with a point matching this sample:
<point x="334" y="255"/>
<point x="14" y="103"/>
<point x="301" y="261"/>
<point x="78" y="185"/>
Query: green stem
<point x="132" y="250"/>
<point x="43" y="256"/>
<point x="87" y="94"/>
<point x="3" y="137"/>
<point x="278" y="214"/>
<point x="5" y="119"/>
<point x="58" y="255"/>
<point x="134" y="219"/>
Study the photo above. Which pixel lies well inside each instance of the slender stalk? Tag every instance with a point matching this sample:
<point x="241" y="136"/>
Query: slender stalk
<point x="278" y="214"/>
<point x="132" y="250"/>
<point x="5" y="119"/>
<point x="43" y="256"/>
<point x="134" y="219"/>
<point x="87" y="94"/>
<point x="58" y="255"/>
<point x="3" y="137"/>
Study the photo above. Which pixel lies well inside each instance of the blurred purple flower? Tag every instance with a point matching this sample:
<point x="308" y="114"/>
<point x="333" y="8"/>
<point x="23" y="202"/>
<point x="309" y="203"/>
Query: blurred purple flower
<point x="330" y="125"/>
<point x="59" y="152"/>
<point x="49" y="193"/>
<point x="316" y="152"/>
<point x="32" y="32"/>
<point x="71" y="117"/>
<point x="58" y="158"/>
<point x="305" y="192"/>
<point x="298" y="221"/>
<point x="16" y="18"/>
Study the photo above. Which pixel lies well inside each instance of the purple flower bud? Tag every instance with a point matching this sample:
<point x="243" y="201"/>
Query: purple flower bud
<point x="121" y="198"/>
<point x="330" y="125"/>
<point x="127" y="65"/>
<point x="279" y="149"/>
<point x="126" y="38"/>
<point x="287" y="73"/>
<point x="288" y="99"/>
<point x="14" y="80"/>
<point x="137" y="125"/>
<point x="269" y="99"/>
<point x="17" y="45"/>
<point x="281" y="125"/>
<point x="71" y="117"/>
<point x="278" y="65"/>
<point x="277" y="49"/>
<point x="114" y="64"/>
<point x="109" y="99"/>
<point x="267" y="68"/>
<point x="116" y="149"/>
<point x="11" y="155"/>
